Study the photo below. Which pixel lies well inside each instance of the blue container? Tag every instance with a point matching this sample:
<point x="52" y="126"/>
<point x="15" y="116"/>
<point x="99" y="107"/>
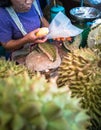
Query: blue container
<point x="2" y="51"/>
<point x="55" y="10"/>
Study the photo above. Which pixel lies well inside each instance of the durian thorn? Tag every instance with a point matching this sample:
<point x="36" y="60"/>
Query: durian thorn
<point x="83" y="59"/>
<point x="76" y="62"/>
<point x="84" y="68"/>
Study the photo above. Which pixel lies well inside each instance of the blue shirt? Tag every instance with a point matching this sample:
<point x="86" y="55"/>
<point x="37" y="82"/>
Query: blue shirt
<point x="9" y="30"/>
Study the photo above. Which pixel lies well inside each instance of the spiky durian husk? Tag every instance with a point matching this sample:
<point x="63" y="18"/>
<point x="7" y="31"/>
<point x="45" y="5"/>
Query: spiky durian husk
<point x="35" y="104"/>
<point x="10" y="68"/>
<point x="80" y="70"/>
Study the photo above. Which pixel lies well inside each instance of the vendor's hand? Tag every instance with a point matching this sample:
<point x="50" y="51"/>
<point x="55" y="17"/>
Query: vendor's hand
<point x="32" y="38"/>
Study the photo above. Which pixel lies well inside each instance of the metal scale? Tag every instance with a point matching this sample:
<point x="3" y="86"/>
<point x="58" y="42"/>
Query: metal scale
<point x="84" y="15"/>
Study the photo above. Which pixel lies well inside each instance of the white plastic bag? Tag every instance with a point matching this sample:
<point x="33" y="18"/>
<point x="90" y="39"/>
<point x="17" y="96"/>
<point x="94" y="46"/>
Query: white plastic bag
<point x="61" y="26"/>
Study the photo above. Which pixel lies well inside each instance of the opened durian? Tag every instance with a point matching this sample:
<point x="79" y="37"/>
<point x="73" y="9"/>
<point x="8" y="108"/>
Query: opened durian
<point x="80" y="70"/>
<point x="77" y="41"/>
<point x="35" y="104"/>
<point x="74" y="43"/>
<point x="44" y="57"/>
<point x="49" y="49"/>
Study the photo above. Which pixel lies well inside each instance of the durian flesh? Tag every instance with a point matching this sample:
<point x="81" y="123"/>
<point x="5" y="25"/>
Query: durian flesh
<point x="49" y="50"/>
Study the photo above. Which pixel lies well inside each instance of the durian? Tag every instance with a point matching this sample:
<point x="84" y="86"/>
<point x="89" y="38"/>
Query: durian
<point x="49" y="49"/>
<point x="80" y="70"/>
<point x="44" y="58"/>
<point x="74" y="43"/>
<point x="35" y="104"/>
<point x="43" y="31"/>
<point x="10" y="68"/>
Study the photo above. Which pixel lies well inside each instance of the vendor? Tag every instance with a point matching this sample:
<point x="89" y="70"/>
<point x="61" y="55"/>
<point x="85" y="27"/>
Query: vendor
<point x="11" y="36"/>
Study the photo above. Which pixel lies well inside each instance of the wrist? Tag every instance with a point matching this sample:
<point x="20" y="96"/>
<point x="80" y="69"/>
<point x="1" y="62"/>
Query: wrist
<point x="26" y="39"/>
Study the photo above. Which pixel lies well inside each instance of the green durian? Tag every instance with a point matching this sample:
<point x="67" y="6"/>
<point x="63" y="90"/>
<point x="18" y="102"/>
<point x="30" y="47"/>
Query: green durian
<point x="30" y="109"/>
<point x="58" y="124"/>
<point x="25" y="104"/>
<point x="52" y="113"/>
<point x="39" y="122"/>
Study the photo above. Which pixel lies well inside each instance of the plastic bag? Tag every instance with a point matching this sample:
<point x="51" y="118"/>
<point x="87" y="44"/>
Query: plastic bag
<point x="61" y="26"/>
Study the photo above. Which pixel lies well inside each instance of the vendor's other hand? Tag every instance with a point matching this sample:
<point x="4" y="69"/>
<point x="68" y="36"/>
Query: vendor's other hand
<point x="62" y="39"/>
<point x="32" y="38"/>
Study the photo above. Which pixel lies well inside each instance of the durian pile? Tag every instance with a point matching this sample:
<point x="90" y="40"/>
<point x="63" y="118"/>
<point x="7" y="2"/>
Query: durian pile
<point x="80" y="71"/>
<point x="8" y="68"/>
<point x="35" y="104"/>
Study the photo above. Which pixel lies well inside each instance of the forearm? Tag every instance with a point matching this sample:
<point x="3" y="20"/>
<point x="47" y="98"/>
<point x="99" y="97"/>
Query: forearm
<point x="45" y="23"/>
<point x="28" y="38"/>
<point x="15" y="44"/>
